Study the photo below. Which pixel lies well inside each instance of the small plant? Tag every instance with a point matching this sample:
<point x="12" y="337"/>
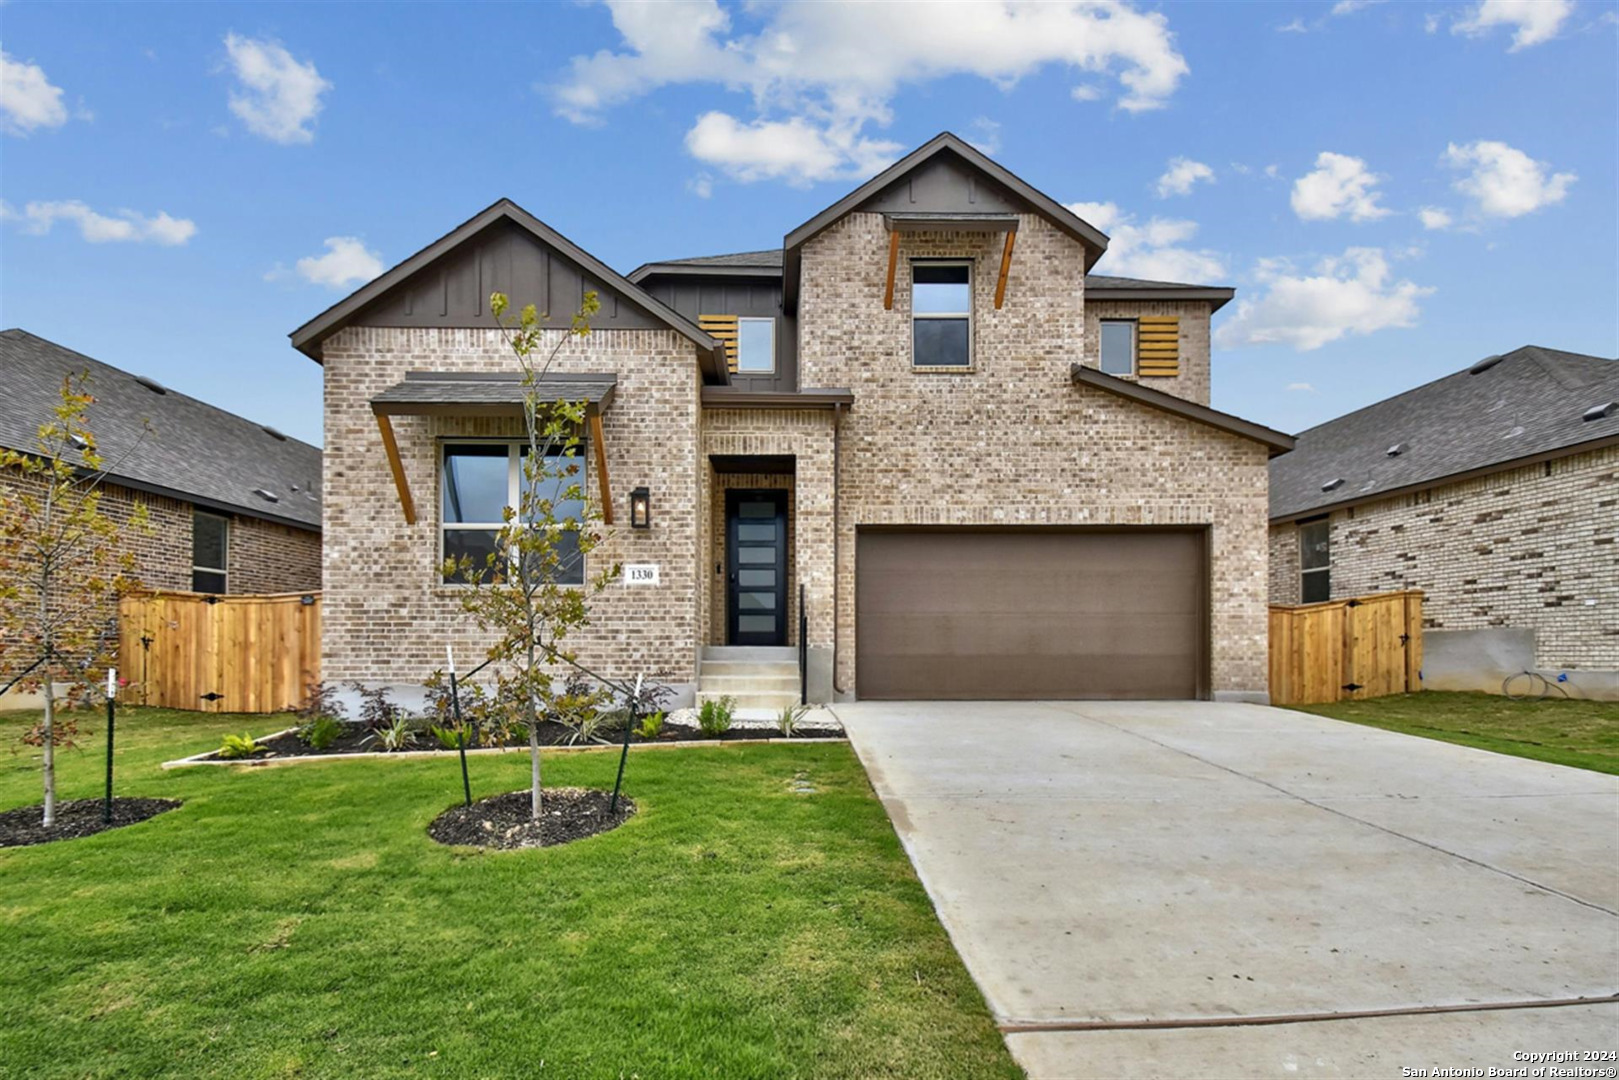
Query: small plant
<point x="651" y="726"/>
<point x="451" y="737"/>
<point x="319" y="700"/>
<point x="579" y="709"/>
<point x="398" y="735"/>
<point x="236" y="747"/>
<point x="788" y="719"/>
<point x="714" y="718"/>
<point x="378" y="711"/>
<point x="321" y="732"/>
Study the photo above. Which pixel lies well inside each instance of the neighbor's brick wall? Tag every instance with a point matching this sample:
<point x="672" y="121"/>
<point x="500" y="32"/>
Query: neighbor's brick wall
<point x="1531" y="548"/>
<point x="386" y="614"/>
<point x="1014" y="441"/>
<point x="1193" y="381"/>
<point x="719" y="484"/>
<point x="268" y="557"/>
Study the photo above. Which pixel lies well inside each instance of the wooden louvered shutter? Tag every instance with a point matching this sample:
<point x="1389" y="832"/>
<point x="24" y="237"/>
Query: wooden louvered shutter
<point x="1158" y="346"/>
<point x="722" y="328"/>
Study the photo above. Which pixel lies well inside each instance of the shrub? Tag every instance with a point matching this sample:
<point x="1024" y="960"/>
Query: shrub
<point x="378" y="711"/>
<point x="651" y="726"/>
<point x="319" y="700"/>
<point x="787" y="720"/>
<point x="398" y="735"/>
<point x="238" y="746"/>
<point x="579" y="708"/>
<point x="451" y="737"/>
<point x="321" y="732"/>
<point x="714" y="718"/>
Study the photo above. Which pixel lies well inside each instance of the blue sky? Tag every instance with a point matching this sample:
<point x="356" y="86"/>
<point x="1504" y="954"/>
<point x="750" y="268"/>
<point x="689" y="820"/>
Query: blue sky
<point x="1395" y="189"/>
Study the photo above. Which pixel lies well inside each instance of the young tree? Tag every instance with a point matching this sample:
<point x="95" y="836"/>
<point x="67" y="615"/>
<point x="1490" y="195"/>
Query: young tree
<point x="520" y="590"/>
<point x="63" y="566"/>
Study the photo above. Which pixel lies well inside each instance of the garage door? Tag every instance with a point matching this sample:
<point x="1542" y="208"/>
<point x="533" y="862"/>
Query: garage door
<point x="983" y="615"/>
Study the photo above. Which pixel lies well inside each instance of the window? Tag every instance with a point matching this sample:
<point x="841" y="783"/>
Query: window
<point x="210" y="549"/>
<point x="1315" y="561"/>
<point x="1118" y="347"/>
<point x="941" y="314"/>
<point x="755" y="346"/>
<point x="481" y="479"/>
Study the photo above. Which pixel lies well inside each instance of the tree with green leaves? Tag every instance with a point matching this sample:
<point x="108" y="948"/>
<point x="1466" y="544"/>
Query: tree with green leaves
<point x="63" y="565"/>
<point x="522" y="590"/>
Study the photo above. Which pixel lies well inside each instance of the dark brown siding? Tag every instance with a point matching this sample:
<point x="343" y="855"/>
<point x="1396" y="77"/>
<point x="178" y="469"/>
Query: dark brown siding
<point x="694" y="297"/>
<point x="1031" y="614"/>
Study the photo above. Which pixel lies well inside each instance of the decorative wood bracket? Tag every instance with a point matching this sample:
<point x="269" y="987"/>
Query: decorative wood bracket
<point x="893" y="262"/>
<point x="1006" y="266"/>
<point x="391" y="448"/>
<point x="600" y="446"/>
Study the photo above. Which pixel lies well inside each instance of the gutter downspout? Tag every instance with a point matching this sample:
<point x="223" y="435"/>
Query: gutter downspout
<point x="837" y="561"/>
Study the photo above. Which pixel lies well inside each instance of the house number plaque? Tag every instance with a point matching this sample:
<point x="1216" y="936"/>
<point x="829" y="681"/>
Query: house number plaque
<point x="641" y="573"/>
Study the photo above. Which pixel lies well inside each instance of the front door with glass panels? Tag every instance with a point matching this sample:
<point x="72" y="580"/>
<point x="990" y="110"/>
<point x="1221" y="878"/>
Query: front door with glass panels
<point x="756" y="567"/>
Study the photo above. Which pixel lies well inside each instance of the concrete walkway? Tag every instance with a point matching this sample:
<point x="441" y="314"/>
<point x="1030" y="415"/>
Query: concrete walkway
<point x="1100" y="865"/>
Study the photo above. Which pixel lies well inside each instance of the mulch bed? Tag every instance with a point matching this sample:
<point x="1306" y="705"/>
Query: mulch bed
<point x="356" y="739"/>
<point x="503" y="821"/>
<point x="76" y="818"/>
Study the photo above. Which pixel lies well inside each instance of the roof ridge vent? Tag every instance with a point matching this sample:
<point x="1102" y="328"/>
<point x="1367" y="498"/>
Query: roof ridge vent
<point x="273" y="433"/>
<point x="1600" y="412"/>
<point x="1397" y="449"/>
<point x="267" y="496"/>
<point x="151" y="384"/>
<point x="1334" y="484"/>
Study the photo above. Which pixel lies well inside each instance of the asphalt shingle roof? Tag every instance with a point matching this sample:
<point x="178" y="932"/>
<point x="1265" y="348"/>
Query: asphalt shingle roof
<point x="195" y="451"/>
<point x="1531" y="402"/>
<point x="446" y="388"/>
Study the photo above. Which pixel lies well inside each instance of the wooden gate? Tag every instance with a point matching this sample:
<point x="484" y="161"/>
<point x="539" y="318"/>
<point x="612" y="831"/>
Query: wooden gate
<point x="219" y="653"/>
<point x="1341" y="650"/>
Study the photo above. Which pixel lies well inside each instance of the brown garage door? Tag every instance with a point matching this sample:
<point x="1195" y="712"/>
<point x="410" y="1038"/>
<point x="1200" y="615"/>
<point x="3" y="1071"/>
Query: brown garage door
<point x="1008" y="614"/>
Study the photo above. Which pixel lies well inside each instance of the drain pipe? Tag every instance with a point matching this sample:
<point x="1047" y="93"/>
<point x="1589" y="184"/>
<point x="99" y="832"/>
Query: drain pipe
<point x="837" y="561"/>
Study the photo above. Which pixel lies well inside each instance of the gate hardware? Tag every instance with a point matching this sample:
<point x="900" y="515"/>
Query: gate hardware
<point x="1352" y="687"/>
<point x="211" y="696"/>
<point x="211" y="600"/>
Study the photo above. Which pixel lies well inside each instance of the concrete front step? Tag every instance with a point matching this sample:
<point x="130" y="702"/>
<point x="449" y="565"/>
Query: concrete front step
<point x="752" y="654"/>
<point x="772" y="700"/>
<point x="749" y="683"/>
<point x="728" y="668"/>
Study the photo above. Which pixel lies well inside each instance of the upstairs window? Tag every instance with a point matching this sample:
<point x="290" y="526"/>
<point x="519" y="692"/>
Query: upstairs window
<point x="756" y="346"/>
<point x="1315" y="561"/>
<point x="480" y="480"/>
<point x="941" y="314"/>
<point x="210" y="551"/>
<point x="1118" y="347"/>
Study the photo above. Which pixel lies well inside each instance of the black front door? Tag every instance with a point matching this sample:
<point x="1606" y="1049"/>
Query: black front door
<point x="756" y="567"/>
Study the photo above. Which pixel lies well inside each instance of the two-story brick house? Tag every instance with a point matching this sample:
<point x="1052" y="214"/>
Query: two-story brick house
<point x="921" y="429"/>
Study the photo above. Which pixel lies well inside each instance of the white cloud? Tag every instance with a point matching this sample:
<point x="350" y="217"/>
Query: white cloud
<point x="279" y="97"/>
<point x="1505" y="182"/>
<point x="1181" y="176"/>
<point x="1348" y="294"/>
<point x="1349" y="7"/>
<point x="1273" y="171"/>
<point x="346" y="262"/>
<point x="1433" y="217"/>
<point x="819" y="73"/>
<point x="701" y="185"/>
<point x="1339" y="185"/>
<point x="127" y="227"/>
<point x="27" y="98"/>
<point x="1534" y="21"/>
<point x="1086" y="92"/>
<point x="1295" y="27"/>
<point x="794" y="150"/>
<point x="988" y="135"/>
<point x="1301" y="387"/>
<point x="1154" y="250"/>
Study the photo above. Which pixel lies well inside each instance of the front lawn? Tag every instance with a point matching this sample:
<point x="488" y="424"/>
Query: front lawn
<point x="1584" y="734"/>
<point x="298" y="921"/>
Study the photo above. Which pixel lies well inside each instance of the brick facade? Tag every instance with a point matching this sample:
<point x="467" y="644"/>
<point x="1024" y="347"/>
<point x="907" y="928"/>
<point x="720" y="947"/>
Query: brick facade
<point x="1193" y="381"/>
<point x="1013" y="441"/>
<point x="1529" y="548"/>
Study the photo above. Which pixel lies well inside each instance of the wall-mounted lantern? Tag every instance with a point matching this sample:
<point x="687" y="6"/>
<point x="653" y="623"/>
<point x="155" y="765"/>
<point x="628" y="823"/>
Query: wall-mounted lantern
<point x="640" y="509"/>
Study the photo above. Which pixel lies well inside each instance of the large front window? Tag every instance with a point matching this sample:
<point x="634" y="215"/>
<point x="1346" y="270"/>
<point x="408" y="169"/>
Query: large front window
<point x="1315" y="561"/>
<point x="481" y="479"/>
<point x="941" y="314"/>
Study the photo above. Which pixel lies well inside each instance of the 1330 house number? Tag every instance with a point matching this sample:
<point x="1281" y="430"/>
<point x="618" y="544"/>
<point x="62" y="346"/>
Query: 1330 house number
<point x="641" y="573"/>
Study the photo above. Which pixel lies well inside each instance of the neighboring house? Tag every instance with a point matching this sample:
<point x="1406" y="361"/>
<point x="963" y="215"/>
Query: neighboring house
<point x="233" y="506"/>
<point x="987" y="472"/>
<point x="1495" y="491"/>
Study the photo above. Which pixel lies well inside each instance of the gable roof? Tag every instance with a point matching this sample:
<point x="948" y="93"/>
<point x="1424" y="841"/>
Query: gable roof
<point x="308" y="337"/>
<point x="1501" y="412"/>
<point x="1106" y="287"/>
<point x="945" y="143"/>
<point x="195" y="451"/>
<point x="1276" y="441"/>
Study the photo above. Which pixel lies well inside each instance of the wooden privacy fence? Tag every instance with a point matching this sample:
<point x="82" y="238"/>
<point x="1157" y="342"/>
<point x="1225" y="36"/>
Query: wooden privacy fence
<point x="1364" y="647"/>
<point x="219" y="653"/>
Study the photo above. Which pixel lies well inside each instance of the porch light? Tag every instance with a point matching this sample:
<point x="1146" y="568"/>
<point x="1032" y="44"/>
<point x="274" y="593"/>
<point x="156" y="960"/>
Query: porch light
<point x="640" y="509"/>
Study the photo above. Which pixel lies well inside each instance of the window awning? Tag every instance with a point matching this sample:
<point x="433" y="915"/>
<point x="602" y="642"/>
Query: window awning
<point x="956" y="222"/>
<point x="444" y="393"/>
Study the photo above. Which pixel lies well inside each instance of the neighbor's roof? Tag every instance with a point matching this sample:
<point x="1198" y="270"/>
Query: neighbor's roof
<point x="768" y="264"/>
<point x="1527" y="405"/>
<point x="194" y="451"/>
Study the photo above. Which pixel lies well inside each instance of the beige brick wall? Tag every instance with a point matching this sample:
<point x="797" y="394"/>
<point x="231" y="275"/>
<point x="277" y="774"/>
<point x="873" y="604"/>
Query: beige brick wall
<point x="1193" y="381"/>
<point x="386" y="614"/>
<point x="268" y="557"/>
<point x="1530" y="548"/>
<point x="1014" y="441"/>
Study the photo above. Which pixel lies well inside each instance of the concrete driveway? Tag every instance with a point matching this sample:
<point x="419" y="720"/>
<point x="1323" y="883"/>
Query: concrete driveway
<point x="1134" y="884"/>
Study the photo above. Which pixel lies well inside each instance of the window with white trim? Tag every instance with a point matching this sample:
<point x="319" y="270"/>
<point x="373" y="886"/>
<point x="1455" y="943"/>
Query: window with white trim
<point x="479" y="480"/>
<point x="755" y="346"/>
<point x="210" y="552"/>
<point x="941" y="314"/>
<point x="1118" y="348"/>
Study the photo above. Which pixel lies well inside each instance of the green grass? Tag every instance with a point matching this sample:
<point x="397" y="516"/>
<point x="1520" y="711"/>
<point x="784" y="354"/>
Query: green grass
<point x="1584" y="734"/>
<point x="297" y="921"/>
